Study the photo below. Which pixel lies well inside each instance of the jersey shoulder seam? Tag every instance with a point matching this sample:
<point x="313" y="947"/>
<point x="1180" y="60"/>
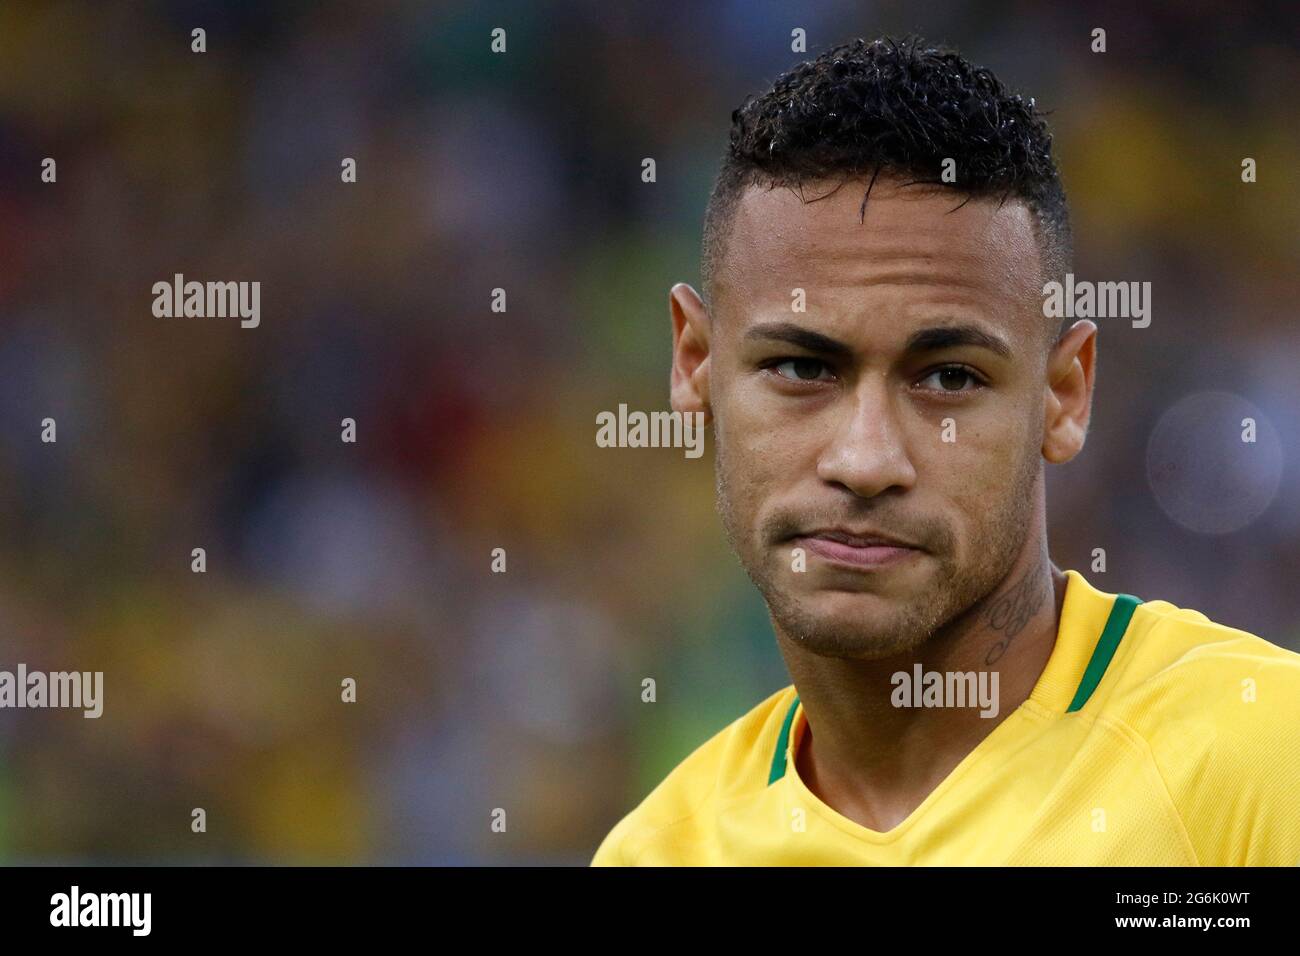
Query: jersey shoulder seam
<point x="1120" y="726"/>
<point x="644" y="836"/>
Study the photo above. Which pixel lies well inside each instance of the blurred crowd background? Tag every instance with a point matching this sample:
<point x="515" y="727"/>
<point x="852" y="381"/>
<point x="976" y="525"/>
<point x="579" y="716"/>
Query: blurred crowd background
<point x="475" y="429"/>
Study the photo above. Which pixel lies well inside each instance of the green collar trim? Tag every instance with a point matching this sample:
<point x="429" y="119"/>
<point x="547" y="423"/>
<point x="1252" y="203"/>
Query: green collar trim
<point x="782" y="745"/>
<point x="1121" y="612"/>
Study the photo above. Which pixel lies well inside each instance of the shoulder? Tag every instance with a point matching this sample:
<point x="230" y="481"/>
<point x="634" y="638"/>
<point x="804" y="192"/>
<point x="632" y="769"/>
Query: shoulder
<point x="1218" y="710"/>
<point x="732" y="762"/>
<point x="1178" y="661"/>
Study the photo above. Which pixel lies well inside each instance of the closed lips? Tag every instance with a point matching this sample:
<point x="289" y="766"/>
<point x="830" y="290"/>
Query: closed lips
<point x="858" y="540"/>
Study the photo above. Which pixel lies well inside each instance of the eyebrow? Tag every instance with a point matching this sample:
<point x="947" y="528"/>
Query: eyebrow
<point x="798" y="335"/>
<point x="951" y="336"/>
<point x="923" y="340"/>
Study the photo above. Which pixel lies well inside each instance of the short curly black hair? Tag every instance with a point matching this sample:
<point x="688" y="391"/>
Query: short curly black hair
<point x="894" y="107"/>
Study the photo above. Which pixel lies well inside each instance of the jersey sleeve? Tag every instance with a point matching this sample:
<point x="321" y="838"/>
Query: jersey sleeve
<point x="610" y="851"/>
<point x="1228" y="748"/>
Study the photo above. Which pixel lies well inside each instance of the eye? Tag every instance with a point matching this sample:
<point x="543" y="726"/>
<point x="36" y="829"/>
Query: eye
<point x="801" y="369"/>
<point x="952" y="378"/>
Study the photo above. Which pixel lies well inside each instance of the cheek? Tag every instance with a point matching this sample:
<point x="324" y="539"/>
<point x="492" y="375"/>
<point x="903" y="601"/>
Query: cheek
<point x="981" y="475"/>
<point x="768" y="448"/>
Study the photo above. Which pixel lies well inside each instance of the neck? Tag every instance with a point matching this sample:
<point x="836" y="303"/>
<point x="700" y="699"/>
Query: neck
<point x="875" y="762"/>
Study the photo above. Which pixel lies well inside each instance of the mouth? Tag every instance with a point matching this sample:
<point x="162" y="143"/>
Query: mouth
<point x="859" y="550"/>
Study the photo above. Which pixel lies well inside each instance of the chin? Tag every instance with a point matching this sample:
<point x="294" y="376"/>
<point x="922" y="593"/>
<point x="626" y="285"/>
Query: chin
<point x="850" y="624"/>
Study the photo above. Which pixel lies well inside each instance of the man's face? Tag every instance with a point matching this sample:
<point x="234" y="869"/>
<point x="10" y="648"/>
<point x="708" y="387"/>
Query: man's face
<point x="906" y="402"/>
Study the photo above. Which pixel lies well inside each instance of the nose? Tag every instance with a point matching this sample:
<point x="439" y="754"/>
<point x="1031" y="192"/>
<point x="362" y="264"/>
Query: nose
<point x="867" y="453"/>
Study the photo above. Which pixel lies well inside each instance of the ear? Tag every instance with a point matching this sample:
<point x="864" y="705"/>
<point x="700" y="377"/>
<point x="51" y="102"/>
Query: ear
<point x="1070" y="368"/>
<point x="689" y="389"/>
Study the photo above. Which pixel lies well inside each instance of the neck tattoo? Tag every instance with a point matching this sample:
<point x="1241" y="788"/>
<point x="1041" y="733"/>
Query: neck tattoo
<point x="1013" y="610"/>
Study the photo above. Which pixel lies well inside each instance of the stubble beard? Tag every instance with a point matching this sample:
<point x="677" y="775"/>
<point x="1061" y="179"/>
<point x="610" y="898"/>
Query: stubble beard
<point x="954" y="589"/>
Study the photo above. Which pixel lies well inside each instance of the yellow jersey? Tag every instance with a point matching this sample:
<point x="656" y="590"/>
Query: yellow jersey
<point x="1153" y="737"/>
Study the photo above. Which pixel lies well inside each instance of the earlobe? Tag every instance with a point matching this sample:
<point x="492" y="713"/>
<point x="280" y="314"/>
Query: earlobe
<point x="1070" y="373"/>
<point x="689" y="385"/>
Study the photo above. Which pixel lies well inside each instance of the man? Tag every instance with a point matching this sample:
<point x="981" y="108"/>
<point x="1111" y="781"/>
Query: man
<point x="884" y="387"/>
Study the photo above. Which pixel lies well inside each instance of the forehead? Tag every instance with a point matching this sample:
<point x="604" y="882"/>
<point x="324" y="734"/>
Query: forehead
<point x="912" y="252"/>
